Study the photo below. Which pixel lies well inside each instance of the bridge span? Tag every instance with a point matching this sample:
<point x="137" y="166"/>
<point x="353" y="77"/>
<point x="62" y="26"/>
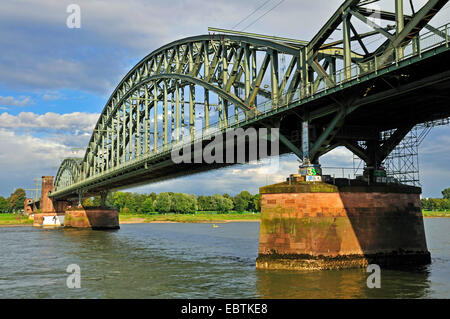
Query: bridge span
<point x="320" y="94"/>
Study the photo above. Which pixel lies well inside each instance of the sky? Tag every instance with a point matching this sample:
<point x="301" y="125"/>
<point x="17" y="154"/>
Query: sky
<point x="55" y="81"/>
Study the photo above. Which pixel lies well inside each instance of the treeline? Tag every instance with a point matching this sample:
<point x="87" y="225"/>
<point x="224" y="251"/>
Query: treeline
<point x="169" y="202"/>
<point x="436" y="204"/>
<point x="14" y="203"/>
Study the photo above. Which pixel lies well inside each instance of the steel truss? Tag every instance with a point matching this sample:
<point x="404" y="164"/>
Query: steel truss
<point x="196" y="86"/>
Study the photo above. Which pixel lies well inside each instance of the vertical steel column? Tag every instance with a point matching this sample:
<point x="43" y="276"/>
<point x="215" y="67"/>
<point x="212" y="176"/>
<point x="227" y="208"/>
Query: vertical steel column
<point x="254" y="73"/>
<point x="333" y="69"/>
<point x="130" y="132"/>
<point x="94" y="165"/>
<point x="225" y="113"/>
<point x="400" y="21"/>
<point x="147" y="123"/>
<point x="305" y="141"/>
<point x="118" y="137"/>
<point x="191" y="94"/>
<point x="304" y="74"/>
<point x="172" y="118"/>
<point x="137" y="140"/>
<point x="111" y="152"/>
<point x="247" y="74"/>
<point x="177" y="111"/>
<point x="183" y="124"/>
<point x="347" y="45"/>
<point x="155" y="123"/>
<point x="206" y="93"/>
<point x="274" y="77"/>
<point x="236" y="110"/>
<point x="206" y="59"/>
<point x="206" y="75"/>
<point x="192" y="111"/>
<point x="177" y="96"/>
<point x="224" y="84"/>
<point x="165" y="115"/>
<point x="124" y="142"/>
<point x="103" y="152"/>
<point x="224" y="66"/>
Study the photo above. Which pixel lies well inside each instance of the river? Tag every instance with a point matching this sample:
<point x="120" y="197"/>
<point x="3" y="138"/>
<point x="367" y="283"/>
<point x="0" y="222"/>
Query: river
<point x="192" y="261"/>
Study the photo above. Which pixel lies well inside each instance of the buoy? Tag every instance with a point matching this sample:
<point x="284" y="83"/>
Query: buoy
<point x="215" y="226"/>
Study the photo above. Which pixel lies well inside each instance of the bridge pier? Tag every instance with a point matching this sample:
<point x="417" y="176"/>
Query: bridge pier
<point x="94" y="218"/>
<point x="318" y="225"/>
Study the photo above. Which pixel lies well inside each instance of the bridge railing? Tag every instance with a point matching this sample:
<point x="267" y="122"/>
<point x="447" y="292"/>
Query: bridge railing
<point x="415" y="48"/>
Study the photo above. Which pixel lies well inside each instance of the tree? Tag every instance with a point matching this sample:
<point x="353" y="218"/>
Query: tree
<point x="163" y="203"/>
<point x="184" y="203"/>
<point x="88" y="202"/>
<point x="147" y="206"/>
<point x="222" y="204"/>
<point x="426" y="204"/>
<point x="243" y="201"/>
<point x="17" y="199"/>
<point x="257" y="202"/>
<point x="4" y="207"/>
<point x="206" y="203"/>
<point x="446" y="193"/>
<point x="119" y="200"/>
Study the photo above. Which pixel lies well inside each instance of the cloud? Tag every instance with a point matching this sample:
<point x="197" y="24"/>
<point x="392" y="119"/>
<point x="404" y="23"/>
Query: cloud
<point x="231" y="180"/>
<point x="11" y="101"/>
<point x="114" y="35"/>
<point x="71" y="122"/>
<point x="40" y="52"/>
<point x="51" y="97"/>
<point x="25" y="157"/>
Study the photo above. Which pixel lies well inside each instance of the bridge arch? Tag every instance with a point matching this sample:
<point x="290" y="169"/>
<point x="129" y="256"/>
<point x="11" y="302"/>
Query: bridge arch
<point x="224" y="78"/>
<point x="68" y="173"/>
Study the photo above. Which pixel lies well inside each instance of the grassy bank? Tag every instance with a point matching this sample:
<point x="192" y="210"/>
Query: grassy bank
<point x="198" y="217"/>
<point x="14" y="219"/>
<point x="433" y="213"/>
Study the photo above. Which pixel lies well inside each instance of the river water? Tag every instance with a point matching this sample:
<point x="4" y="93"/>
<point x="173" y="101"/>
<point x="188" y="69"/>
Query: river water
<point x="192" y="261"/>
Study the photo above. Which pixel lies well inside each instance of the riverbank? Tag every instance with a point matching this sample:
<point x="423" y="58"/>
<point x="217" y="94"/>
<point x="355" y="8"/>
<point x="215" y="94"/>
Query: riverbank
<point x="17" y="220"/>
<point x="189" y="218"/>
<point x="431" y="213"/>
<point x="14" y="220"/>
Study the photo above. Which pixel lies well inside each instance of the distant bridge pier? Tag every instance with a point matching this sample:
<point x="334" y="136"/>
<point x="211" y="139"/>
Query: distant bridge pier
<point x="62" y="212"/>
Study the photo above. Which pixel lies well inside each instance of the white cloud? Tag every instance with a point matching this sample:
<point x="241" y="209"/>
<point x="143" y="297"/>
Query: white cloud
<point x="70" y="122"/>
<point x="51" y="96"/>
<point x="24" y="157"/>
<point x="12" y="101"/>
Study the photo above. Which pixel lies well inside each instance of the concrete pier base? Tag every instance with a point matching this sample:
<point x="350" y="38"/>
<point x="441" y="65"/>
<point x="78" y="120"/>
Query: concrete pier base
<point x="51" y="220"/>
<point x="94" y="218"/>
<point x="313" y="226"/>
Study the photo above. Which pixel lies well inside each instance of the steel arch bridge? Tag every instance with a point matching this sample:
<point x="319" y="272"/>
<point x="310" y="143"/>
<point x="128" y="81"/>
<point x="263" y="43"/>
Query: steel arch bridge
<point x="193" y="88"/>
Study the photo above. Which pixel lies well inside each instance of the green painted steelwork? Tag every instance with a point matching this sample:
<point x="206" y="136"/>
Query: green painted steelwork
<point x="228" y="72"/>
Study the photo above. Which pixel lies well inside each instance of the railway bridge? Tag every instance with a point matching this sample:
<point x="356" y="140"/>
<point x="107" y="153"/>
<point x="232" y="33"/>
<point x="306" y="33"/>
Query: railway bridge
<point x="310" y="97"/>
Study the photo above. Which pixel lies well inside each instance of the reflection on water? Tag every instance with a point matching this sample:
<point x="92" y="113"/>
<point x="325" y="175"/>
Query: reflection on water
<point x="350" y="283"/>
<point x="192" y="261"/>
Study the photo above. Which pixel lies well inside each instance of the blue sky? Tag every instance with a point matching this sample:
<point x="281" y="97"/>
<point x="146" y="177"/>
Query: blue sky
<point x="54" y="81"/>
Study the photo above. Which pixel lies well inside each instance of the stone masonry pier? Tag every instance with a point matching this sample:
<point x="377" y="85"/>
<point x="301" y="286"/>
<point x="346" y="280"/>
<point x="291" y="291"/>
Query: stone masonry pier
<point x="312" y="226"/>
